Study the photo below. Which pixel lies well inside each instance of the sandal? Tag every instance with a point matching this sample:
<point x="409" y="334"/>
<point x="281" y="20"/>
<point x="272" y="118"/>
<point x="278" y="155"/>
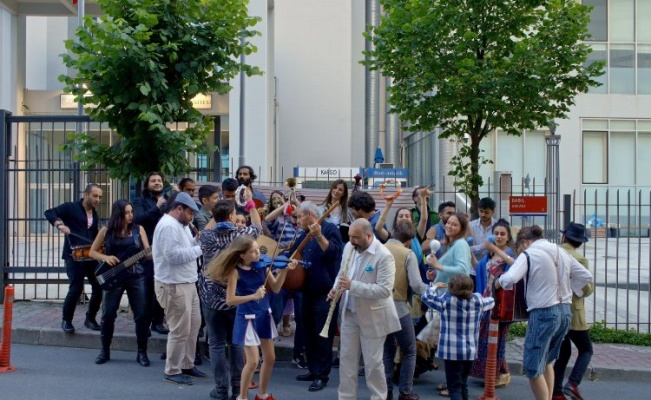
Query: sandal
<point x="444" y="393"/>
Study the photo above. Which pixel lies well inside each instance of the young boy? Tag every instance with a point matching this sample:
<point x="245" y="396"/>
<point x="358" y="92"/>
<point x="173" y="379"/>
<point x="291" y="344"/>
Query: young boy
<point x="458" y="340"/>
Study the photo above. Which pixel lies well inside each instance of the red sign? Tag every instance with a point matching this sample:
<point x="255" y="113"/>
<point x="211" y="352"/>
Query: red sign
<point x="528" y="205"/>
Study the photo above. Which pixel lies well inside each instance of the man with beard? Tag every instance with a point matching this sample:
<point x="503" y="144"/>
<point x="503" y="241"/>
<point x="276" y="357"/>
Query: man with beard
<point x="246" y="176"/>
<point x="147" y="211"/>
<point x="79" y="222"/>
<point x="323" y="250"/>
<point x="175" y="252"/>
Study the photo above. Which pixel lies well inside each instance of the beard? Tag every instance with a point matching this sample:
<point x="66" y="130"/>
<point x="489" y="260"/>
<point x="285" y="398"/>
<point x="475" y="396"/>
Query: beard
<point x="244" y="181"/>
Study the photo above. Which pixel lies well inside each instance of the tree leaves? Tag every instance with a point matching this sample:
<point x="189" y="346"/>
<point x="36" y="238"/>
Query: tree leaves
<point x="141" y="64"/>
<point x="471" y="66"/>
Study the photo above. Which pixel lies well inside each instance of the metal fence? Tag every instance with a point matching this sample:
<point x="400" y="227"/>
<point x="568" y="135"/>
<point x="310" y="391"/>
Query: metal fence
<point x="35" y="174"/>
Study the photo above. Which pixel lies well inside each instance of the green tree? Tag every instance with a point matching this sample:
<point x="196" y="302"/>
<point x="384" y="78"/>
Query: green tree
<point x="141" y="64"/>
<point x="472" y="66"/>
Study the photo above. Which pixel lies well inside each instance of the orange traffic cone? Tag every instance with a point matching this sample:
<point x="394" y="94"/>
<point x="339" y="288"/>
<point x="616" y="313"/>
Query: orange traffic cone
<point x="5" y="345"/>
<point x="491" y="361"/>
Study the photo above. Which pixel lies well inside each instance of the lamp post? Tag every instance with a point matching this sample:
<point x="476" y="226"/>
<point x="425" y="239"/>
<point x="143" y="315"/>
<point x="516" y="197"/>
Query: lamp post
<point x="552" y="186"/>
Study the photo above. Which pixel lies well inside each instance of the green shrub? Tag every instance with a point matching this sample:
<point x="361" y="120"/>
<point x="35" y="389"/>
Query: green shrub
<point x="599" y="333"/>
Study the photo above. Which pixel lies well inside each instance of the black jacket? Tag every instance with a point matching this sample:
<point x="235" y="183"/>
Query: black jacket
<point x="74" y="217"/>
<point x="325" y="264"/>
<point x="147" y="213"/>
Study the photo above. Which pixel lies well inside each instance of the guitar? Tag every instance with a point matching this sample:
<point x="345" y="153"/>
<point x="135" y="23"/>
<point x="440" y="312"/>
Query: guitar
<point x="110" y="276"/>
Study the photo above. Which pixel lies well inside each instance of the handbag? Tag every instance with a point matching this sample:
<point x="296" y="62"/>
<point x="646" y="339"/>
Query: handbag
<point x="511" y="305"/>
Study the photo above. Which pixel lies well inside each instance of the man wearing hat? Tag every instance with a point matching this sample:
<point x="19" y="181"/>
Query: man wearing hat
<point x="175" y="252"/>
<point x="573" y="237"/>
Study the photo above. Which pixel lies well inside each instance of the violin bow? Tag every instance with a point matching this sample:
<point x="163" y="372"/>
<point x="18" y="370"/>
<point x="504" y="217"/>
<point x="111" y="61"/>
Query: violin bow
<point x="266" y="275"/>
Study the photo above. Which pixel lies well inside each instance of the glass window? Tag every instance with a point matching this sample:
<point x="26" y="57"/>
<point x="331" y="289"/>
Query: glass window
<point x="622" y="72"/>
<point x="644" y="68"/>
<point x="598" y="26"/>
<point x="595" y="157"/>
<point x="599" y="53"/>
<point x="595" y="124"/>
<point x="622" y="21"/>
<point x="644" y="158"/>
<point x="535" y="161"/>
<point x="622" y="169"/>
<point x="643" y="23"/>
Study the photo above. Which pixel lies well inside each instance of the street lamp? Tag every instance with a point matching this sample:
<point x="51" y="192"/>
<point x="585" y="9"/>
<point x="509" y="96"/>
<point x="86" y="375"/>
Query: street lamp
<point x="552" y="184"/>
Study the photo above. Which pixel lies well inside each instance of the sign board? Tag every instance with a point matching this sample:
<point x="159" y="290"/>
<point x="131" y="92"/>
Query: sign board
<point x="528" y="205"/>
<point x="386" y="173"/>
<point x="328" y="173"/>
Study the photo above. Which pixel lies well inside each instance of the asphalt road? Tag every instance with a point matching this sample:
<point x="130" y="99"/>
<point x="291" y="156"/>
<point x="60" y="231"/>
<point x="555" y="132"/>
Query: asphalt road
<point x="53" y="373"/>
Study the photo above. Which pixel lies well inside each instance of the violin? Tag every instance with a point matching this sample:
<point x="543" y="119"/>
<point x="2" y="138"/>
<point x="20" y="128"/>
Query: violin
<point x="278" y="262"/>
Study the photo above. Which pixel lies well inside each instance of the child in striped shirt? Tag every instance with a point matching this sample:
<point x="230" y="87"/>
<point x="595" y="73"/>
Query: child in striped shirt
<point x="461" y="311"/>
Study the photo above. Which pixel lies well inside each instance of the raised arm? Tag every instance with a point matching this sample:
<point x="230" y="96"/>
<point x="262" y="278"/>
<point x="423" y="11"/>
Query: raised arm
<point x="380" y="229"/>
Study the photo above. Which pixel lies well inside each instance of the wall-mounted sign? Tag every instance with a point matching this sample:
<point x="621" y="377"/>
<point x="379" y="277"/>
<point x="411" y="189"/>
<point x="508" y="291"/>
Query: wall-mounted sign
<point x="325" y="172"/>
<point x="528" y="205"/>
<point x="202" y="101"/>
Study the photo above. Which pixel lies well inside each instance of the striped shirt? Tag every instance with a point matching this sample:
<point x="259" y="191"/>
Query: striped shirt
<point x="289" y="232"/>
<point x="211" y="293"/>
<point x="459" y="323"/>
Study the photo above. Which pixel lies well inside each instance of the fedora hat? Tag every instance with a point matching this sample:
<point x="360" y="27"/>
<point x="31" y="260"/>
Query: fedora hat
<point x="575" y="232"/>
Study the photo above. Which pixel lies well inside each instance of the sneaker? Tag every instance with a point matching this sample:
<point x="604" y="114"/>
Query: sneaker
<point x="299" y="361"/>
<point x="91" y="324"/>
<point x="178" y="379"/>
<point x="269" y="397"/>
<point x="559" y="397"/>
<point x="572" y="390"/>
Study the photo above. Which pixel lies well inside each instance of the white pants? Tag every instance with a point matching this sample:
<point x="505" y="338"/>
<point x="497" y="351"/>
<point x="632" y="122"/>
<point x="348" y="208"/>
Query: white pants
<point x="352" y="343"/>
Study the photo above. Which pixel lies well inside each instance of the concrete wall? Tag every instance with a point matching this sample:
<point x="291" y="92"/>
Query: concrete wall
<point x="9" y="61"/>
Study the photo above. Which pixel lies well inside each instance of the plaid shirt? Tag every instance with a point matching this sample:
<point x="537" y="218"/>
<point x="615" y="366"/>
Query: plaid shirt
<point x="211" y="293"/>
<point x="459" y="323"/>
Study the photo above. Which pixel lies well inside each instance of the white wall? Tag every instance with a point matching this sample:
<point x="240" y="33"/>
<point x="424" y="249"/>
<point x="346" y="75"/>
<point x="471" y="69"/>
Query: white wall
<point x="8" y="61"/>
<point x="45" y="38"/>
<point x="320" y="82"/>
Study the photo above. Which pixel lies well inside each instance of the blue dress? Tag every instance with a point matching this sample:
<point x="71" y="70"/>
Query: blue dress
<point x="253" y="320"/>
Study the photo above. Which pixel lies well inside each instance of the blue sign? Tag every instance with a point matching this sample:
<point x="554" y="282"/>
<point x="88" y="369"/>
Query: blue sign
<point x="386" y="173"/>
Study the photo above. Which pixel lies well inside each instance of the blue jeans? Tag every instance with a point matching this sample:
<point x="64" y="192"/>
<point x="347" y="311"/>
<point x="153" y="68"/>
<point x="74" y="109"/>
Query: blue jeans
<point x="220" y="332"/>
<point x="545" y="332"/>
<point x="136" y="292"/>
<point x="406" y="339"/>
<point x="76" y="272"/>
<point x="581" y="340"/>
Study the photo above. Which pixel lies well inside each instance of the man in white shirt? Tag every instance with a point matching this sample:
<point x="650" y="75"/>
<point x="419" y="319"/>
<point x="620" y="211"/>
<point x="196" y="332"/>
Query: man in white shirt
<point x="482" y="227"/>
<point x="367" y="310"/>
<point x="175" y="252"/>
<point x="552" y="277"/>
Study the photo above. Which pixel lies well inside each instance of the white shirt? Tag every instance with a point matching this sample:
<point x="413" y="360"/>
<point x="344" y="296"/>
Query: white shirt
<point x="548" y="263"/>
<point x="175" y="252"/>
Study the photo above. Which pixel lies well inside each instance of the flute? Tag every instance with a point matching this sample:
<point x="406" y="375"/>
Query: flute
<point x="333" y="305"/>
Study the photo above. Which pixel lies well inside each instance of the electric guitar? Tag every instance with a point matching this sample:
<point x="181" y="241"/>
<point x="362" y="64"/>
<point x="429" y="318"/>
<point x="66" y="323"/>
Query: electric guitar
<point x="109" y="277"/>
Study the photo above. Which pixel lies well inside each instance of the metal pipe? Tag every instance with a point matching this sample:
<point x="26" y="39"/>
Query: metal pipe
<point x="242" y="102"/>
<point x="392" y="130"/>
<point x="372" y="80"/>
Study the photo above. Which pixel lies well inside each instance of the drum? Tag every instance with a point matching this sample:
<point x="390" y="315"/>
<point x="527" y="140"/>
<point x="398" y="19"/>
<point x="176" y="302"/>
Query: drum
<point x="82" y="252"/>
<point x="269" y="246"/>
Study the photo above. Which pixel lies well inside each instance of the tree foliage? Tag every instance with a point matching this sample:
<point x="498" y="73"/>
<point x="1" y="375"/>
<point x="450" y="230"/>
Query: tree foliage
<point x="141" y="64"/>
<point x="472" y="66"/>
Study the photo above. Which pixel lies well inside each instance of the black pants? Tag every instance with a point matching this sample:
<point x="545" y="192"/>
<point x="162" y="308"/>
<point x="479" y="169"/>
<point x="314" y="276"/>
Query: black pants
<point x="318" y="350"/>
<point x="456" y="377"/>
<point x="76" y="272"/>
<point x="581" y="340"/>
<point x="134" y="285"/>
<point x="153" y="311"/>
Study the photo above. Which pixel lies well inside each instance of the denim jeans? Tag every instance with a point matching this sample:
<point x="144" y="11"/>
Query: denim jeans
<point x="545" y="332"/>
<point x="76" y="272"/>
<point x="406" y="339"/>
<point x="220" y="332"/>
<point x="456" y="377"/>
<point x="581" y="340"/>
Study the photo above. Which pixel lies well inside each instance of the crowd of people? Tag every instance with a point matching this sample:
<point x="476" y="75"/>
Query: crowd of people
<point x="199" y="266"/>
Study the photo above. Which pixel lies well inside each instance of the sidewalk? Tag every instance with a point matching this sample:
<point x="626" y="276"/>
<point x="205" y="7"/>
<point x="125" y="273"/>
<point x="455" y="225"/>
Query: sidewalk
<point x="38" y="323"/>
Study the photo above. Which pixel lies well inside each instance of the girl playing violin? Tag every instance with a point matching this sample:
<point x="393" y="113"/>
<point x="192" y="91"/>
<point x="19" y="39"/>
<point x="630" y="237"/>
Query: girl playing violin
<point x="254" y="326"/>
